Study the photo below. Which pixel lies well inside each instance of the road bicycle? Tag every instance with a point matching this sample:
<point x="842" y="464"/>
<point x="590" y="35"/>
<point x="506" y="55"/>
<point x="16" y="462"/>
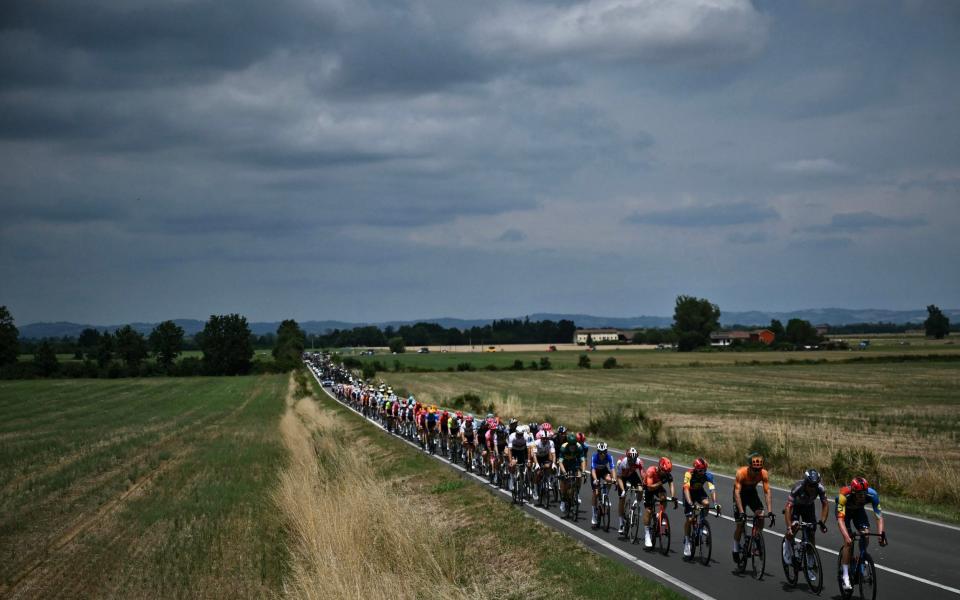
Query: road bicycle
<point x="701" y="538"/>
<point x="545" y="487"/>
<point x="804" y="557"/>
<point x="660" y="532"/>
<point x="519" y="484"/>
<point x="633" y="513"/>
<point x="572" y="496"/>
<point x="754" y="552"/>
<point x="863" y="572"/>
<point x="603" y="506"/>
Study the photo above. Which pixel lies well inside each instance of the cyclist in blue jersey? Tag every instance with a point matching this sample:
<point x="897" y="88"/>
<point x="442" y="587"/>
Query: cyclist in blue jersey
<point x="601" y="468"/>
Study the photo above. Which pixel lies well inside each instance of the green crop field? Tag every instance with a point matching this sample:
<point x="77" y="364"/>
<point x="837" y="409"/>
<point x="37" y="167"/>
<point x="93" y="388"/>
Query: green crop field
<point x="906" y="415"/>
<point x="141" y="487"/>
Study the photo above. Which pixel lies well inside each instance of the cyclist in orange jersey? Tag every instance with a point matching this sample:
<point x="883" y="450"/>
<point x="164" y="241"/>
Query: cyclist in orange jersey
<point x="745" y="496"/>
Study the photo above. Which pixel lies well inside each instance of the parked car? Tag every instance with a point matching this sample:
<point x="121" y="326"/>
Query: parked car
<point x="552" y="349"/>
<point x="423" y="350"/>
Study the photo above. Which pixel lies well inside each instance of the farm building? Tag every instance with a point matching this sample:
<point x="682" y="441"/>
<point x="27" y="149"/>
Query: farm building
<point x="725" y="338"/>
<point x="598" y="335"/>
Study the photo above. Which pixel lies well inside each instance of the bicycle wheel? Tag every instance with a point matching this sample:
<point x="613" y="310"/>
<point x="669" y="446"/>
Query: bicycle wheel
<point x="705" y="544"/>
<point x="636" y="524"/>
<point x="664" y="538"/>
<point x="606" y="512"/>
<point x="812" y="569"/>
<point x="789" y="568"/>
<point x="745" y="553"/>
<point x="760" y="557"/>
<point x="868" y="579"/>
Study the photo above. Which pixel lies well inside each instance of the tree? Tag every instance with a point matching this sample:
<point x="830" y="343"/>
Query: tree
<point x="46" y="360"/>
<point x="937" y="324"/>
<point x="801" y="333"/>
<point x="397" y="345"/>
<point x="166" y="340"/>
<point x="226" y="346"/>
<point x="694" y="319"/>
<point x="88" y="341"/>
<point x="584" y="362"/>
<point x="290" y="344"/>
<point x="130" y="346"/>
<point x="610" y="363"/>
<point x="9" y="338"/>
<point x="776" y="327"/>
<point x="105" y="349"/>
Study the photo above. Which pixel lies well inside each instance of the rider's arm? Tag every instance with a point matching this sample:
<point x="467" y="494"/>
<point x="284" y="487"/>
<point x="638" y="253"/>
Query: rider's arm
<point x="686" y="487"/>
<point x="736" y="493"/>
<point x="766" y="490"/>
<point x="709" y="485"/>
<point x="875" y="500"/>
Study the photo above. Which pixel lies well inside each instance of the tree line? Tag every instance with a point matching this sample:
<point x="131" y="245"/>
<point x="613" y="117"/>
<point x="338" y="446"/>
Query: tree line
<point x="504" y="331"/>
<point x="226" y="343"/>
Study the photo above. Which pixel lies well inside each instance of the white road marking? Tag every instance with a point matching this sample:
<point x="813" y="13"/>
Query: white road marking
<point x="660" y="573"/>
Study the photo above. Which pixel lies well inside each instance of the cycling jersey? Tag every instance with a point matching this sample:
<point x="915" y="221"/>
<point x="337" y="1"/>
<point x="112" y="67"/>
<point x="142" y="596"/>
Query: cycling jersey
<point x="543" y="448"/>
<point x="518" y="445"/>
<point x="800" y="495"/>
<point x="570" y="455"/>
<point x="848" y="500"/>
<point x="747" y="477"/>
<point x="454" y="425"/>
<point x="625" y="468"/>
<point x="698" y="483"/>
<point x="653" y="479"/>
<point x="602" y="463"/>
<point x="468" y="435"/>
<point x="431" y="420"/>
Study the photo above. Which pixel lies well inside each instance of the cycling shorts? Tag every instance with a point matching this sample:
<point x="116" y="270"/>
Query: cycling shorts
<point x="750" y="499"/>
<point x="805" y="513"/>
<point x="543" y="460"/>
<point x="601" y="473"/>
<point x="650" y="496"/>
<point x="698" y="496"/>
<point x="857" y="518"/>
<point x="633" y="479"/>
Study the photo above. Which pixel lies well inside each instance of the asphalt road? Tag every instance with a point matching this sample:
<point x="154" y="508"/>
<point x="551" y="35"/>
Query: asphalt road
<point x="919" y="562"/>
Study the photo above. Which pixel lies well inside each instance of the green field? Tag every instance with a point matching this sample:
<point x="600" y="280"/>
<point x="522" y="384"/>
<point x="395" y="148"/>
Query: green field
<point x="140" y="488"/>
<point x="906" y="414"/>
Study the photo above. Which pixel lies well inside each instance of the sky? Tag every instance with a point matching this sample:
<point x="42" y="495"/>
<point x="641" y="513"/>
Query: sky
<point x="365" y="160"/>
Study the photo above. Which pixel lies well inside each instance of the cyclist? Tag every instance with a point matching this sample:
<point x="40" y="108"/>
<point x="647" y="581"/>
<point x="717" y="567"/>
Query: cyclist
<point x="629" y="470"/>
<point x="444" y="429"/>
<point x="852" y="517"/>
<point x="745" y="496"/>
<point x="653" y="480"/>
<point x="453" y="426"/>
<point x="800" y="507"/>
<point x="517" y="451"/>
<point x="697" y="483"/>
<point x="601" y="467"/>
<point x="468" y="437"/>
<point x="570" y="460"/>
<point x="544" y="455"/>
<point x="432" y="420"/>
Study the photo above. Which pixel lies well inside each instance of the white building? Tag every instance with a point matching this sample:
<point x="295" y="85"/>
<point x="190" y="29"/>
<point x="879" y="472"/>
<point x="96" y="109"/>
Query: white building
<point x="597" y="335"/>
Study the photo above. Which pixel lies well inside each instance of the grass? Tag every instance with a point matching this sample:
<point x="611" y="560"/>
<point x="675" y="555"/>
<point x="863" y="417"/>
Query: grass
<point x="141" y="488"/>
<point x="490" y="540"/>
<point x="907" y="414"/>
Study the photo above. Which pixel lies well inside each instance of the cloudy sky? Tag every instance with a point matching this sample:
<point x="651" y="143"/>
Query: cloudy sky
<point x="367" y="160"/>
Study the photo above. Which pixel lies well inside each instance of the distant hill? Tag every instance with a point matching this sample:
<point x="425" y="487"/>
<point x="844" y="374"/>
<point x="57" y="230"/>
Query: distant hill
<point x="830" y="316"/>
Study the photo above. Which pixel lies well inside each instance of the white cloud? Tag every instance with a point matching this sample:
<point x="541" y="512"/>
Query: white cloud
<point x="813" y="166"/>
<point x="646" y="30"/>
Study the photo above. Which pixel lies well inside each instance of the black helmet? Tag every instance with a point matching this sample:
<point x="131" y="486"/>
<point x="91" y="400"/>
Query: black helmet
<point x="811" y="477"/>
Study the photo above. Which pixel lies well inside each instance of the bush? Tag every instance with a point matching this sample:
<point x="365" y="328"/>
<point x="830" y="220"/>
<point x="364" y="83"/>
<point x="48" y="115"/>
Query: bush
<point x="517" y="365"/>
<point x="351" y="362"/>
<point x="654" y="426"/>
<point x="609" y="423"/>
<point x="533" y="365"/>
<point x="545" y="363"/>
<point x="472" y="402"/>
<point x="610" y="363"/>
<point x="19" y="370"/>
<point x="368" y="370"/>
<point x="847" y="464"/>
<point x="190" y="366"/>
<point x="490" y="368"/>
<point x="583" y="362"/>
<point x="465" y="366"/>
<point x="689" y="341"/>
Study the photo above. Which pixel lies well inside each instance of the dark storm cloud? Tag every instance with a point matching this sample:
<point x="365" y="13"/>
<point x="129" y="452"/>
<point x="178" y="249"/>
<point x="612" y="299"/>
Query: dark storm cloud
<point x="708" y="215"/>
<point x="865" y="221"/>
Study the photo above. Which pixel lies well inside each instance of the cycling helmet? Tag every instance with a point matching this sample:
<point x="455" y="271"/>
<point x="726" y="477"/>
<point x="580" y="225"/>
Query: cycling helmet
<point x="489" y="415"/>
<point x="459" y="415"/>
<point x="469" y="418"/>
<point x="546" y="427"/>
<point x="571" y="439"/>
<point x="756" y="461"/>
<point x="522" y="429"/>
<point x="602" y="447"/>
<point x="700" y="464"/>
<point x="632" y="453"/>
<point x="859" y="484"/>
<point x="532" y="426"/>
<point x="811" y="477"/>
<point x="513" y="422"/>
<point x="561" y="430"/>
<point x="580" y="437"/>
<point x="666" y="465"/>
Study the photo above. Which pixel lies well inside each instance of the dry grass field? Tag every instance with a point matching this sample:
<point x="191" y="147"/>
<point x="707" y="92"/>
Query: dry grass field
<point x="906" y="415"/>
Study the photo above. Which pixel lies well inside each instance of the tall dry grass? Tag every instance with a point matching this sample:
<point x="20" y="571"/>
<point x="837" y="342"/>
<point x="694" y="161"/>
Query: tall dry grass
<point x="351" y="534"/>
